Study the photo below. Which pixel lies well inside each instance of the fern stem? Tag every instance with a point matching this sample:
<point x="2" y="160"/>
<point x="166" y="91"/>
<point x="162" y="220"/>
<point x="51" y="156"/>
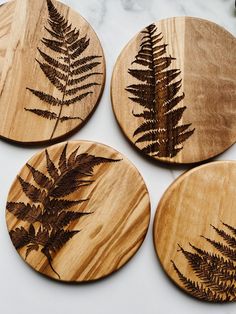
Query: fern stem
<point x="50" y="264"/>
<point x="67" y="80"/>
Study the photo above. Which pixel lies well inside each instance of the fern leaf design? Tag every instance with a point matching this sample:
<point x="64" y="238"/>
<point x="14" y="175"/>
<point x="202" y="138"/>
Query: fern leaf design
<point x="24" y="212"/>
<point x="68" y="71"/>
<point x="160" y="134"/>
<point x="216" y="272"/>
<point x="53" y="213"/>
<point x="198" y="290"/>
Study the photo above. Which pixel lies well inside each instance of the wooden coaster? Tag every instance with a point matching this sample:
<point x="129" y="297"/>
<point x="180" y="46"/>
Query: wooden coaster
<point x="174" y="90"/>
<point x="52" y="71"/>
<point x="195" y="232"/>
<point x="78" y="211"/>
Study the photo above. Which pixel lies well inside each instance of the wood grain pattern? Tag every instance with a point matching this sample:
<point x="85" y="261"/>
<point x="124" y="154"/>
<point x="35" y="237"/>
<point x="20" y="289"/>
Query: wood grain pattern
<point x="78" y="211"/>
<point x="167" y="101"/>
<point x="195" y="232"/>
<point x="52" y="71"/>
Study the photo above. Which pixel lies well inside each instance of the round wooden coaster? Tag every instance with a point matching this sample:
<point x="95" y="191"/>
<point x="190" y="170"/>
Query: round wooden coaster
<point x="52" y="71"/>
<point x="195" y="232"/>
<point x="174" y="90"/>
<point x="78" y="211"/>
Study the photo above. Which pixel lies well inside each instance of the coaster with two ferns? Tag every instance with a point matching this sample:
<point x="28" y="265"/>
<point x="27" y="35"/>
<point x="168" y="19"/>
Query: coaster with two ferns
<point x="78" y="211"/>
<point x="52" y="71"/>
<point x="174" y="90"/>
<point x="195" y="232"/>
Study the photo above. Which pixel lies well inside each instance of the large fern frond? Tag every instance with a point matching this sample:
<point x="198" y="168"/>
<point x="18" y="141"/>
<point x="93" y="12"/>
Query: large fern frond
<point x="161" y="133"/>
<point x="52" y="212"/>
<point x="68" y="70"/>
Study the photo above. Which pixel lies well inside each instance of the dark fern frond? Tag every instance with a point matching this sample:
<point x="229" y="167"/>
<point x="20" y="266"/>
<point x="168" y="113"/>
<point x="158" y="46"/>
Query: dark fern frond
<point x="54" y="76"/>
<point x="34" y="194"/>
<point x="223" y="249"/>
<point x="216" y="272"/>
<point x="57" y="205"/>
<point x="232" y="229"/>
<point x="54" y="34"/>
<point x="83" y="45"/>
<point x="56" y="241"/>
<point x="211" y="276"/>
<point x="72" y="158"/>
<point x="231" y="241"/>
<point x="55" y="63"/>
<point x="25" y="212"/>
<point x="51" y="168"/>
<point x="66" y="118"/>
<point x="84" y="68"/>
<point x="64" y="218"/>
<point x="171" y="104"/>
<point x="217" y="260"/>
<point x="75" y="90"/>
<point x="68" y="70"/>
<point x="20" y="237"/>
<point x="55" y="45"/>
<point x="46" y="98"/>
<point x="72" y="36"/>
<point x="61" y="190"/>
<point x="43" y="113"/>
<point x="197" y="290"/>
<point x="41" y="179"/>
<point x="82" y="78"/>
<point x="142" y="75"/>
<point x="83" y="61"/>
<point x="76" y="99"/>
<point x="52" y="212"/>
<point x="220" y="269"/>
<point x="63" y="160"/>
<point x="158" y="95"/>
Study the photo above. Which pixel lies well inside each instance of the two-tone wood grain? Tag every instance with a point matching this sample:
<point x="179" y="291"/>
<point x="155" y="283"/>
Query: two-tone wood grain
<point x="52" y="71"/>
<point x="174" y="90"/>
<point x="78" y="211"/>
<point x="195" y="232"/>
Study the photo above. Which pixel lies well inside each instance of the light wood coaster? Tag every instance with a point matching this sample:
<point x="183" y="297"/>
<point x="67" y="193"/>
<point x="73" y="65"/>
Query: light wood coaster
<point x="52" y="71"/>
<point x="78" y="211"/>
<point x="174" y="90"/>
<point x="195" y="232"/>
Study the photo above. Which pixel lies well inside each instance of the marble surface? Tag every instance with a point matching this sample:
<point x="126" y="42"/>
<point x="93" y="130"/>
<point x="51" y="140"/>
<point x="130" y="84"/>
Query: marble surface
<point x="141" y="286"/>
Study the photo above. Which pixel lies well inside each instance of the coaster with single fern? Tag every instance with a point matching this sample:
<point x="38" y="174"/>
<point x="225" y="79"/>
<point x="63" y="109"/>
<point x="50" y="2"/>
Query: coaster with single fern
<point x="77" y="211"/>
<point x="195" y="232"/>
<point x="166" y="90"/>
<point x="54" y="78"/>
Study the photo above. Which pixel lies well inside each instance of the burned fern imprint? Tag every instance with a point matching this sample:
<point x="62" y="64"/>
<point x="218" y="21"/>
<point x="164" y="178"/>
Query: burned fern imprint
<point x="216" y="273"/>
<point x="69" y="69"/>
<point x="156" y="96"/>
<point x="50" y="212"/>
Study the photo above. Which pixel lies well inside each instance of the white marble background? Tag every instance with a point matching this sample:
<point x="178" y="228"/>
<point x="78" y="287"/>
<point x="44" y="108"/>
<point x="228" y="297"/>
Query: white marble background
<point x="141" y="286"/>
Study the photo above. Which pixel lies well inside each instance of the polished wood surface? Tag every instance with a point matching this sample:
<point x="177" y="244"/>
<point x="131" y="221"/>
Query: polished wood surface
<point x="195" y="232"/>
<point x="174" y="90"/>
<point x="78" y="211"/>
<point x="52" y="71"/>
